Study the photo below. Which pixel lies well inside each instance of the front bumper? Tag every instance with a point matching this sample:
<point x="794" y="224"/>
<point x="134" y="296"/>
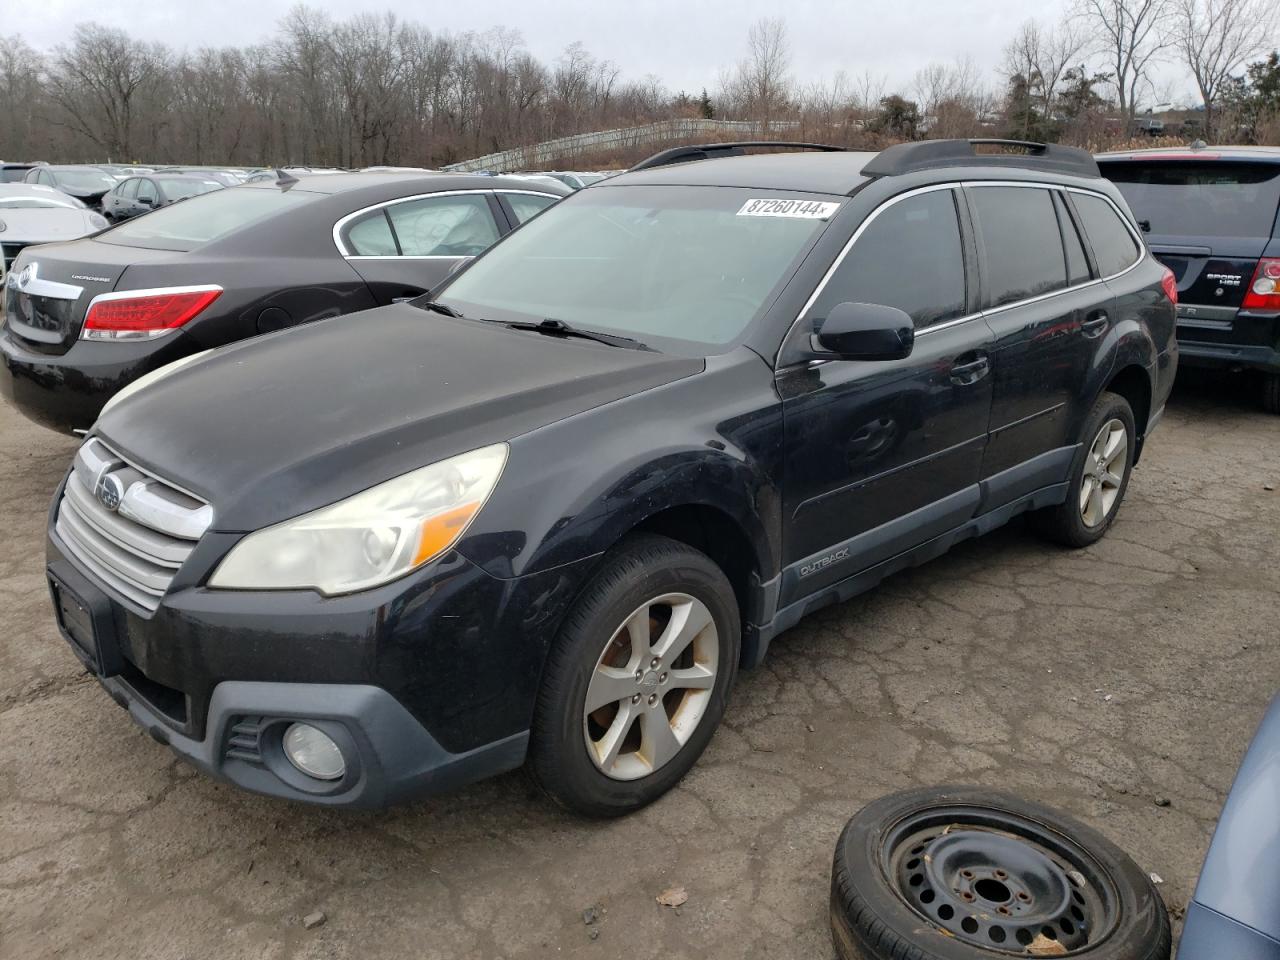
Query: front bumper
<point x="390" y="757"/>
<point x="426" y="683"/>
<point x="66" y="392"/>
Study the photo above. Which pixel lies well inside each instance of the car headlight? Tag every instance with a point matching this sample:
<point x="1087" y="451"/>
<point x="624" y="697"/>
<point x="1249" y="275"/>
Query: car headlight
<point x="372" y="537"/>
<point x="159" y="373"/>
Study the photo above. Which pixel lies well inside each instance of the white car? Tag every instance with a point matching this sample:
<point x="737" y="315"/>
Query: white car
<point x="31" y="213"/>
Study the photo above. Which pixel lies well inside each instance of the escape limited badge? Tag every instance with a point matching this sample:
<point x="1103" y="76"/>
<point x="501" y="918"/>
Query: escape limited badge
<point x="801" y="209"/>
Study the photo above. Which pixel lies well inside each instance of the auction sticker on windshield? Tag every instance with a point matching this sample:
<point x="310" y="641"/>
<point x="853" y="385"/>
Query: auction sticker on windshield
<point x="800" y="209"/>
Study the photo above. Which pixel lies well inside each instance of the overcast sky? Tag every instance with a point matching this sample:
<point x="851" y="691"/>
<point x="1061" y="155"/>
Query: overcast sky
<point x="684" y="43"/>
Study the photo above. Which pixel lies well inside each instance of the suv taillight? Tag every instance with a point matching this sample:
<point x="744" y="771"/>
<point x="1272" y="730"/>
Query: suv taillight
<point x="143" y="314"/>
<point x="1264" y="289"/>
<point x="1170" y="284"/>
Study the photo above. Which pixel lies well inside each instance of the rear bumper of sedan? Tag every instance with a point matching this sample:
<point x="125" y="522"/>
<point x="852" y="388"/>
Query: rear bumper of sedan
<point x="66" y="392"/>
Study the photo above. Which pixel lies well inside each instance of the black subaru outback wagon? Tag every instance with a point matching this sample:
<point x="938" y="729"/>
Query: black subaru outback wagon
<point x="547" y="515"/>
<point x="1213" y="216"/>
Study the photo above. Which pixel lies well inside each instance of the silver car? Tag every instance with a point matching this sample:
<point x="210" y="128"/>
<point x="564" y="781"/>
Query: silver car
<point x="31" y="213"/>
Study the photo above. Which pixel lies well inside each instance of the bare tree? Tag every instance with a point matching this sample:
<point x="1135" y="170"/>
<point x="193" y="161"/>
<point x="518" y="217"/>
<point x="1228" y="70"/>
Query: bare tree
<point x="1042" y="57"/>
<point x="1216" y="37"/>
<point x="1130" y="35"/>
<point x="760" y="86"/>
<point x="97" y="80"/>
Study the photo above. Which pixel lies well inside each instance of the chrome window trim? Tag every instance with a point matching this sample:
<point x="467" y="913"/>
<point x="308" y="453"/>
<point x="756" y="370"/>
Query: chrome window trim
<point x="956" y="321"/>
<point x="87" y="334"/>
<point x="344" y="220"/>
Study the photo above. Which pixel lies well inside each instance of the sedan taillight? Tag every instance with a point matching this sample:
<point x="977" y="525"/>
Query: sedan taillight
<point x="144" y="314"/>
<point x="1264" y="288"/>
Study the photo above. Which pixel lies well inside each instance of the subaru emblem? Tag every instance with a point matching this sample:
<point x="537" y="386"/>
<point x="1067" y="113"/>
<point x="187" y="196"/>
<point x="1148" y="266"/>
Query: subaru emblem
<point x="27" y="275"/>
<point x="109" y="491"/>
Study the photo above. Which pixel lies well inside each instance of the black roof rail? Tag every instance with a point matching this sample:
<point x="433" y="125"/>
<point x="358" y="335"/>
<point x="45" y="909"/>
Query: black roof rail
<point x="930" y="154"/>
<point x="712" y="151"/>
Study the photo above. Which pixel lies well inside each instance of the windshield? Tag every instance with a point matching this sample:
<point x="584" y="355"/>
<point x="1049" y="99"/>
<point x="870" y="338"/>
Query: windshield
<point x="84" y="179"/>
<point x="185" y="226"/>
<point x="1215" y="199"/>
<point x="684" y="265"/>
<point x="176" y="189"/>
<point x="13" y="174"/>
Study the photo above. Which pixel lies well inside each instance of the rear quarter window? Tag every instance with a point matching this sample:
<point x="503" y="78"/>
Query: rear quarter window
<point x="1113" y="245"/>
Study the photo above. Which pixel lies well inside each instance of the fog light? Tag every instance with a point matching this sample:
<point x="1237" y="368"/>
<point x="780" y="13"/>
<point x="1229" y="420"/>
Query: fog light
<point x="313" y="752"/>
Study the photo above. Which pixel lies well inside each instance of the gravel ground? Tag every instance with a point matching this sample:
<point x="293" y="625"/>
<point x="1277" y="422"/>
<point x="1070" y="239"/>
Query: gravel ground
<point x="1094" y="680"/>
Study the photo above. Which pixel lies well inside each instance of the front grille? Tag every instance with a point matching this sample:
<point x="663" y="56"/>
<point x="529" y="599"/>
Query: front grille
<point x="131" y="529"/>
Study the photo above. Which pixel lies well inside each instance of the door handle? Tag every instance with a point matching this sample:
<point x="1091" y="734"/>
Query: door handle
<point x="970" y="372"/>
<point x="1095" y="326"/>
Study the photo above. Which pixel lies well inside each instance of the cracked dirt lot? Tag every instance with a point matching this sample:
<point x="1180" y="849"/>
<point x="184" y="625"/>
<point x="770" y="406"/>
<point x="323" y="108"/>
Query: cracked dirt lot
<point x="1093" y="680"/>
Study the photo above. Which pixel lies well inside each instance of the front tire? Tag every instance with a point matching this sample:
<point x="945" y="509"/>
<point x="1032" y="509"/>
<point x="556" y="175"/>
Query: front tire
<point x="637" y="680"/>
<point x="1100" y="475"/>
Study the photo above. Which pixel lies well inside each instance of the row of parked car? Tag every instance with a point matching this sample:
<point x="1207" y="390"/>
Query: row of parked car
<point x="536" y="471"/>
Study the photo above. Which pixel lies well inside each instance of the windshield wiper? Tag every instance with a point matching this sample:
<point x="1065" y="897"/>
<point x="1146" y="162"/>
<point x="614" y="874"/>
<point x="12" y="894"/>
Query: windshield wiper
<point x="558" y="328"/>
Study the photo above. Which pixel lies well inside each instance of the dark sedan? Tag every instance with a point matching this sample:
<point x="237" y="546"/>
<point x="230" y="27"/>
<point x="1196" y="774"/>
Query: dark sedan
<point x="86" y="318"/>
<point x="87" y="184"/>
<point x="138" y="195"/>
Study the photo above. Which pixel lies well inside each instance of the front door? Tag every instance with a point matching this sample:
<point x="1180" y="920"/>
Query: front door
<point x="882" y="456"/>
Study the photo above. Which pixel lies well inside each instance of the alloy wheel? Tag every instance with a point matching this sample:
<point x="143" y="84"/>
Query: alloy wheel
<point x="1104" y="467"/>
<point x="651" y="685"/>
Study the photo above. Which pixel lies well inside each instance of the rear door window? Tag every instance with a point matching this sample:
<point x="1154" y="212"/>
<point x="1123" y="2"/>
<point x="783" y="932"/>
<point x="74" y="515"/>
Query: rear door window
<point x="1113" y="245"/>
<point x="1200" y="198"/>
<point x="444" y="226"/>
<point x="1024" y="253"/>
<point x="910" y="257"/>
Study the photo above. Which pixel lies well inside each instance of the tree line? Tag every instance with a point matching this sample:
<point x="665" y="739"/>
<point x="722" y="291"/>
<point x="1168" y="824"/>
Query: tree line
<point x="377" y="89"/>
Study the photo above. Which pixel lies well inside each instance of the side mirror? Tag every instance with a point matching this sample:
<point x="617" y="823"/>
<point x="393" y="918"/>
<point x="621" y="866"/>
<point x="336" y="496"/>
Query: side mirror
<point x="146" y="201"/>
<point x="865" y="331"/>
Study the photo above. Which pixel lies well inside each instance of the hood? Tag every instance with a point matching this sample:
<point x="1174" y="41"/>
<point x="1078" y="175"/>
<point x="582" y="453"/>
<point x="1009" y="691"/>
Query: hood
<point x="273" y="427"/>
<point x="44" y="224"/>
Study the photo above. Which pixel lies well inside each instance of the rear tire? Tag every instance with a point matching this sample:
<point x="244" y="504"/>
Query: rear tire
<point x="654" y="641"/>
<point x="1271" y="392"/>
<point x="1099" y="476"/>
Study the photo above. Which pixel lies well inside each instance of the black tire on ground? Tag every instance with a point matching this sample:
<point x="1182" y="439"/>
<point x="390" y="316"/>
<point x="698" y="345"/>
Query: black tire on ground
<point x="640" y="568"/>
<point x="1064" y="523"/>
<point x="1271" y="392"/>
<point x="870" y="920"/>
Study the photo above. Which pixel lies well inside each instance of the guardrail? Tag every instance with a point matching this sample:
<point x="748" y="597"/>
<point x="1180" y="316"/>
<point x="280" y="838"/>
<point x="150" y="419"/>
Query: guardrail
<point x="549" y="151"/>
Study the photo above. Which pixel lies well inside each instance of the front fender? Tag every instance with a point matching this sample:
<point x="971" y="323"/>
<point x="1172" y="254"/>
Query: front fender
<point x="572" y="489"/>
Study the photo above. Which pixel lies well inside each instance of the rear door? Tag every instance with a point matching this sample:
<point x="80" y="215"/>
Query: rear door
<point x="404" y="248"/>
<point x="1048" y="317"/>
<point x="1211" y="220"/>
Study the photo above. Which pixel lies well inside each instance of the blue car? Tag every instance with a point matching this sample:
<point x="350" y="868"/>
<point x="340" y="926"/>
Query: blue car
<point x="1235" y="912"/>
